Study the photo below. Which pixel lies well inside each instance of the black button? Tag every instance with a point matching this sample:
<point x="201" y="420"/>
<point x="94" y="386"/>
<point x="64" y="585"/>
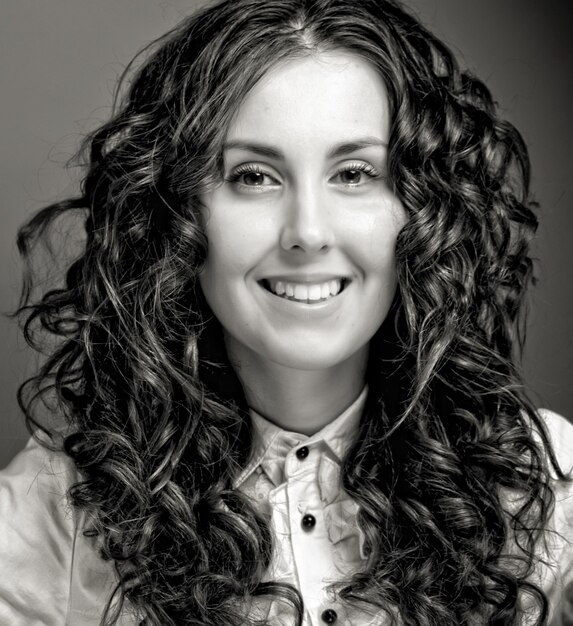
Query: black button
<point x="308" y="521"/>
<point x="329" y="616"/>
<point x="302" y="453"/>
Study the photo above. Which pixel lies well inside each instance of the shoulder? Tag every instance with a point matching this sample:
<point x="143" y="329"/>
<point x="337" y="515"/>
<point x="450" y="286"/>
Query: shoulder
<point x="37" y="528"/>
<point x="560" y="431"/>
<point x="50" y="573"/>
<point x="556" y="568"/>
<point x="38" y="465"/>
<point x="36" y="482"/>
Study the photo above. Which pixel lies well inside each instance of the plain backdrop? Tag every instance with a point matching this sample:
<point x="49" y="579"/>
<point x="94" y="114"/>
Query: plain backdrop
<point x="60" y="62"/>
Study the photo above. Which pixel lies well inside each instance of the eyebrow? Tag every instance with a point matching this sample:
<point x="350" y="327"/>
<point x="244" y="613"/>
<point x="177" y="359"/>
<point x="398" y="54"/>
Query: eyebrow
<point x="340" y="149"/>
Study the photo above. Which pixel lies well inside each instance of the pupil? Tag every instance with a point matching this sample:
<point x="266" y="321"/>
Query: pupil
<point x="253" y="178"/>
<point x="351" y="176"/>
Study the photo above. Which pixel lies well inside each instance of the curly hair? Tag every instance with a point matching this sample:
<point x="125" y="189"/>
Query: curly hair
<point x="157" y="422"/>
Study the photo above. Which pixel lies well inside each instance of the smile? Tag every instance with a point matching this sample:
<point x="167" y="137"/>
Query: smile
<point x="308" y="293"/>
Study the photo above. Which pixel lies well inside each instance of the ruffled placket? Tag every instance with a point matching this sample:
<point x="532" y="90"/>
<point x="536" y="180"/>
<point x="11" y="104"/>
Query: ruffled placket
<point x="295" y="481"/>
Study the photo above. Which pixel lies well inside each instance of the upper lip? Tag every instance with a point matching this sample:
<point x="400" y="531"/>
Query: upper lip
<point x="306" y="278"/>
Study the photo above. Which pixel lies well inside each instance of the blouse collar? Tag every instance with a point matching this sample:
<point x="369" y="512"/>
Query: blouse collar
<point x="272" y="443"/>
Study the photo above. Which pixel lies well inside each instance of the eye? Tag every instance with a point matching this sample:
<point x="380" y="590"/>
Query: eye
<point x="351" y="177"/>
<point x="252" y="176"/>
<point x="356" y="174"/>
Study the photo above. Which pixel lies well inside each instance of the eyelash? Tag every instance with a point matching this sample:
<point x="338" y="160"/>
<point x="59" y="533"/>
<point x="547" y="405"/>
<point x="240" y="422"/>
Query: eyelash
<point x="370" y="171"/>
<point x="247" y="168"/>
<point x="252" y="168"/>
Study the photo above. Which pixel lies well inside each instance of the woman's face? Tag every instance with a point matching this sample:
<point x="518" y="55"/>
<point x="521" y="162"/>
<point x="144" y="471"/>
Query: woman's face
<point x="300" y="268"/>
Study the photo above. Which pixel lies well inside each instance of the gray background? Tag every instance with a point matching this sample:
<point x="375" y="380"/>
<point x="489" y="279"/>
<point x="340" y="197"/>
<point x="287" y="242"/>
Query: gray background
<point x="60" y="61"/>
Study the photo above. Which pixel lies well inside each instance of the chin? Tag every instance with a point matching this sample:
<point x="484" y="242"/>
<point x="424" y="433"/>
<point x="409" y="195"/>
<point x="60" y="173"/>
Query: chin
<point x="308" y="356"/>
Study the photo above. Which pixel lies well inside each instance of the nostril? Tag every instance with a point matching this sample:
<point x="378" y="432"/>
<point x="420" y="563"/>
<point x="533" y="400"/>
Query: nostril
<point x="309" y="248"/>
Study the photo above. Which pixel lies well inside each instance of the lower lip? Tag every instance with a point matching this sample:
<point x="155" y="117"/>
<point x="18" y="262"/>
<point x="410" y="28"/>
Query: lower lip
<point x="318" y="307"/>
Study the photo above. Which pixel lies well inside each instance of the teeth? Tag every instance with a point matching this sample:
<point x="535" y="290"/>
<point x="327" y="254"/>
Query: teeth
<point x="301" y="292"/>
<point x="306" y="292"/>
<point x="314" y="292"/>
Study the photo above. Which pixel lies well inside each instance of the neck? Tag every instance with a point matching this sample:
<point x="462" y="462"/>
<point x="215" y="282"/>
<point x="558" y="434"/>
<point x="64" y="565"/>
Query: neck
<point x="302" y="401"/>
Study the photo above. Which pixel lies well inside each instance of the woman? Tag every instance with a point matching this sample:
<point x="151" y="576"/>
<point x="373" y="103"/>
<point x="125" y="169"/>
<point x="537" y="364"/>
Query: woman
<point x="286" y="355"/>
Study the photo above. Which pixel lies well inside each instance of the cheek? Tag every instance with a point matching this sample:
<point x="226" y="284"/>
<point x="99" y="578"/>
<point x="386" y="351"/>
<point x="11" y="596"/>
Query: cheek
<point x="237" y="236"/>
<point x="227" y="247"/>
<point x="221" y="273"/>
<point x="226" y="257"/>
<point x="376" y="244"/>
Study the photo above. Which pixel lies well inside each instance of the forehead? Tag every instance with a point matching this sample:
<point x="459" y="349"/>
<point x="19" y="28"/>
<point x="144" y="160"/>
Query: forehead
<point x="334" y="95"/>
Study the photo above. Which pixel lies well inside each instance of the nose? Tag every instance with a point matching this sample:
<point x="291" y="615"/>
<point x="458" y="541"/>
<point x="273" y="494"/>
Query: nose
<point x="308" y="224"/>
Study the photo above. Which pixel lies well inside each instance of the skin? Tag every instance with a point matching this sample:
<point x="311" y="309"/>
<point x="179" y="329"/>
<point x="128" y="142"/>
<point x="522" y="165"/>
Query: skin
<point x="300" y="201"/>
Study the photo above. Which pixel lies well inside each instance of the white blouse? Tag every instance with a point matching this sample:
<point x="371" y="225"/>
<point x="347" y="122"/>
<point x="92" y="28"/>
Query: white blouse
<point x="50" y="574"/>
<point x="295" y="481"/>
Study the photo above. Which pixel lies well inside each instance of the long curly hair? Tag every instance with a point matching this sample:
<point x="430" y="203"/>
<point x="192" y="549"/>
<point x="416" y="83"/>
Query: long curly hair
<point x="156" y="420"/>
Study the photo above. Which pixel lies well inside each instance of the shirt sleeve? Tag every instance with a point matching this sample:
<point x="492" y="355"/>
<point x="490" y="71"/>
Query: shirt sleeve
<point x="37" y="531"/>
<point x="558" y="576"/>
